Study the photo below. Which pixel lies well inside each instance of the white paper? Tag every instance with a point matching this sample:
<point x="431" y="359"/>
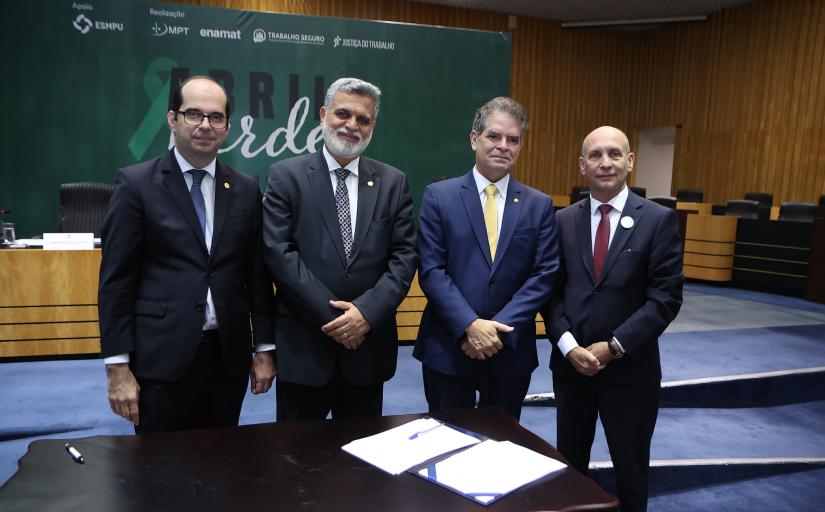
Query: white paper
<point x="398" y="449"/>
<point x="491" y="469"/>
<point x="68" y="241"/>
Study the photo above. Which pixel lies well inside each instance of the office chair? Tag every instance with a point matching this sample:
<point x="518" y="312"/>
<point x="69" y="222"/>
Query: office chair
<point x="797" y="211"/>
<point x="742" y="208"/>
<point x="690" y="195"/>
<point x="763" y="198"/>
<point x="666" y="201"/>
<point x="82" y="206"/>
<point x="578" y="193"/>
<point x="639" y="191"/>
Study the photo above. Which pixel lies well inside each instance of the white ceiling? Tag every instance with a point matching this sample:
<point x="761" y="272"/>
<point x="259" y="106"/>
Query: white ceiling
<point x="594" y="10"/>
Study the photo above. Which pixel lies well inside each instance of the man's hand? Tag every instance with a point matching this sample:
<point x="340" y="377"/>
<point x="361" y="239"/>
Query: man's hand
<point x="601" y="350"/>
<point x="123" y="391"/>
<point x="483" y="339"/>
<point x="349" y="329"/>
<point x="261" y="372"/>
<point x="584" y="362"/>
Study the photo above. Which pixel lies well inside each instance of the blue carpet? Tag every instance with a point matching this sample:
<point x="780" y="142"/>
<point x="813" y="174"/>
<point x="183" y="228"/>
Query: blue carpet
<point x="720" y="332"/>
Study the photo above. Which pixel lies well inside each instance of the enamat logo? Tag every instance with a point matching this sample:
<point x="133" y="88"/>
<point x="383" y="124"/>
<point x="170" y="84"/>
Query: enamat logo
<point x="259" y="35"/>
<point x="82" y="23"/>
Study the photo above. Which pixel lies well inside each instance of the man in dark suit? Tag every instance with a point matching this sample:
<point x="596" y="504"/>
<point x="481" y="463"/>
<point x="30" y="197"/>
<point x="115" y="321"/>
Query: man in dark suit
<point x="619" y="288"/>
<point x="340" y="245"/>
<point x="488" y="261"/>
<point x="181" y="277"/>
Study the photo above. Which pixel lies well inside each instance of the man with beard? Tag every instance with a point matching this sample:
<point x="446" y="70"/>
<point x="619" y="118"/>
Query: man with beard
<point x="340" y="246"/>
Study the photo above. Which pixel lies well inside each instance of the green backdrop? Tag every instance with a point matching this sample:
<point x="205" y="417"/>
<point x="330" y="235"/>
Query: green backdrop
<point x="86" y="88"/>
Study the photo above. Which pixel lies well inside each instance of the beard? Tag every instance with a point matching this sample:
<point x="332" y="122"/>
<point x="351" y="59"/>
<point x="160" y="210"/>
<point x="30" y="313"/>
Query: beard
<point x="342" y="148"/>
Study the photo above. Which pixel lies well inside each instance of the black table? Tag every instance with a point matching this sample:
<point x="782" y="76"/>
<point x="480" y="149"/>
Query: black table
<point x="275" y="466"/>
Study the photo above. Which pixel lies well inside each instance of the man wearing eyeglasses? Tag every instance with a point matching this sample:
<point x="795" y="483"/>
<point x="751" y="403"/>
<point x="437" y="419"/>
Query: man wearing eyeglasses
<point x="340" y="245"/>
<point x="182" y="278"/>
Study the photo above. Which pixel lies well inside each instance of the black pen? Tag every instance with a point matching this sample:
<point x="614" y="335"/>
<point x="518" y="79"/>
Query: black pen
<point x="76" y="455"/>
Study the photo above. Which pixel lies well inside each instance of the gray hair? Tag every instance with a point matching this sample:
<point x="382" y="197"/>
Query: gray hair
<point x="353" y="86"/>
<point x="500" y="104"/>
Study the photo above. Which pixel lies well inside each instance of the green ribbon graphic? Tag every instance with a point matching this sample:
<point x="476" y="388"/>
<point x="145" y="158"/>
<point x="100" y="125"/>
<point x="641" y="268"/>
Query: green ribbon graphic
<point x="158" y="93"/>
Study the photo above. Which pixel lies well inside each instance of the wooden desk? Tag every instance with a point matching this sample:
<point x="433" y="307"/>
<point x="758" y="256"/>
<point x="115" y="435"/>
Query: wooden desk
<point x="709" y="247"/>
<point x="700" y="208"/>
<point x="276" y="466"/>
<point x="48" y="304"/>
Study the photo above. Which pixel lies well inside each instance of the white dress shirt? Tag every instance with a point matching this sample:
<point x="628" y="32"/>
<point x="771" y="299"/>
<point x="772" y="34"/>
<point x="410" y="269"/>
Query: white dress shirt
<point x="567" y="341"/>
<point x="501" y="196"/>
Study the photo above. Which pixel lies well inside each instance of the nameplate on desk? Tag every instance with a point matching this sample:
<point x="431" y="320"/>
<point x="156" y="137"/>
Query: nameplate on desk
<point x="68" y="241"/>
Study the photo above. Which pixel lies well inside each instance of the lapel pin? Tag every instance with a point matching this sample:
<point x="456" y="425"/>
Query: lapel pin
<point x="627" y="222"/>
<point x="370" y="183"/>
<point x="515" y="199"/>
<point x="226" y="185"/>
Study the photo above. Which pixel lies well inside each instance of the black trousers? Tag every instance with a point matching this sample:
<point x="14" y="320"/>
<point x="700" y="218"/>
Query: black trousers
<point x="628" y="415"/>
<point x="207" y="396"/>
<point x="339" y="397"/>
<point x="459" y="391"/>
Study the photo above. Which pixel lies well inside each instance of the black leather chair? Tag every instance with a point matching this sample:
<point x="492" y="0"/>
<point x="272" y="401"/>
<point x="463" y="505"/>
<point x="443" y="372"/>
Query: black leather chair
<point x="765" y="201"/>
<point x="690" y="195"/>
<point x="763" y="198"/>
<point x="82" y="206"/>
<point x="578" y="193"/>
<point x="666" y="201"/>
<point x="797" y="211"/>
<point x="639" y="191"/>
<point x="742" y="208"/>
<point x="821" y="200"/>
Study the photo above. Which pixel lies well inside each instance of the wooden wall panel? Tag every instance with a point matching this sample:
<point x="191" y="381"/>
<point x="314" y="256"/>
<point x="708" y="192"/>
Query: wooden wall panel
<point x="745" y="87"/>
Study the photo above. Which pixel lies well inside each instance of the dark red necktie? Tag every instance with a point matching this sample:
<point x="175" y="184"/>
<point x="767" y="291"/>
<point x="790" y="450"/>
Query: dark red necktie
<point x="602" y="240"/>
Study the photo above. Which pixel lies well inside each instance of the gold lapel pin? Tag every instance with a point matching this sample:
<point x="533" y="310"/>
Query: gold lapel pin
<point x="226" y="185"/>
<point x="370" y="183"/>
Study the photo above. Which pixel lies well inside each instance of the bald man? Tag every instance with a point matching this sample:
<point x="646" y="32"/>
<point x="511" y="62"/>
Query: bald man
<point x="620" y="286"/>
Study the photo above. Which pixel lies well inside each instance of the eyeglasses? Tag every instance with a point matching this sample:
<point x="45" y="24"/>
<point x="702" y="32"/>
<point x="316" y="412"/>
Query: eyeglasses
<point x="195" y="118"/>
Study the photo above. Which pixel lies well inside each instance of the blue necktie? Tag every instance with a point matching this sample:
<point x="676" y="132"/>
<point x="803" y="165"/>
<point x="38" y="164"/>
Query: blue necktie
<point x="197" y="196"/>
<point x="342" y="204"/>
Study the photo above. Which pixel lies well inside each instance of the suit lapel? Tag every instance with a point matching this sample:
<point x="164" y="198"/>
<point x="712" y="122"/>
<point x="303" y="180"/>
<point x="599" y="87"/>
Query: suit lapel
<point x="222" y="197"/>
<point x="369" y="184"/>
<point x="632" y="209"/>
<point x="583" y="238"/>
<point x="325" y="199"/>
<point x="472" y="205"/>
<point x="509" y="221"/>
<point x="176" y="185"/>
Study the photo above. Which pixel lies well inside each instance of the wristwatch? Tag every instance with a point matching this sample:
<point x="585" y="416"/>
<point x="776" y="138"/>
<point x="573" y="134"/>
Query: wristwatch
<point x="615" y="350"/>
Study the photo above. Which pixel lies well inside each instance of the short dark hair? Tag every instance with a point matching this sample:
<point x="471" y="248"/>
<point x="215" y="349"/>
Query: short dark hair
<point x="500" y="104"/>
<point x="176" y="100"/>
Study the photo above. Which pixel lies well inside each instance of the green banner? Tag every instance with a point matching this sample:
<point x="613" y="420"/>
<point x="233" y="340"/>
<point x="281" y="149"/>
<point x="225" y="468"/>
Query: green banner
<point x="87" y="88"/>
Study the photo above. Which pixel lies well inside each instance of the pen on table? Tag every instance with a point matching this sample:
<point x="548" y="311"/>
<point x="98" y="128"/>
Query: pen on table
<point x="76" y="455"/>
<point x="422" y="432"/>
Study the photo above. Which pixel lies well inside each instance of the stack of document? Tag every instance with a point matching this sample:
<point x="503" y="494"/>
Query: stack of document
<point x="438" y="452"/>
<point x="408" y="445"/>
<point x="490" y="470"/>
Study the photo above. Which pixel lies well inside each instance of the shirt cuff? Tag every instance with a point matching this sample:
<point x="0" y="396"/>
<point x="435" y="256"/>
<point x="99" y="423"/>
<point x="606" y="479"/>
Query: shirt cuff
<point x="118" y="359"/>
<point x="567" y="343"/>
<point x="619" y="344"/>
<point x="264" y="347"/>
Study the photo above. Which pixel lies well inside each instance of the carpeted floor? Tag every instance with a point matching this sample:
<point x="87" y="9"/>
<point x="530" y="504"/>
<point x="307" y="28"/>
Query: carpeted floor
<point x="720" y="332"/>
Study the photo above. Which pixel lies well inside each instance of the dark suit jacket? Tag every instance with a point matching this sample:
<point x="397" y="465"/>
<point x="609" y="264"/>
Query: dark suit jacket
<point x="638" y="295"/>
<point x="156" y="270"/>
<point x="462" y="284"/>
<point x="305" y="255"/>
